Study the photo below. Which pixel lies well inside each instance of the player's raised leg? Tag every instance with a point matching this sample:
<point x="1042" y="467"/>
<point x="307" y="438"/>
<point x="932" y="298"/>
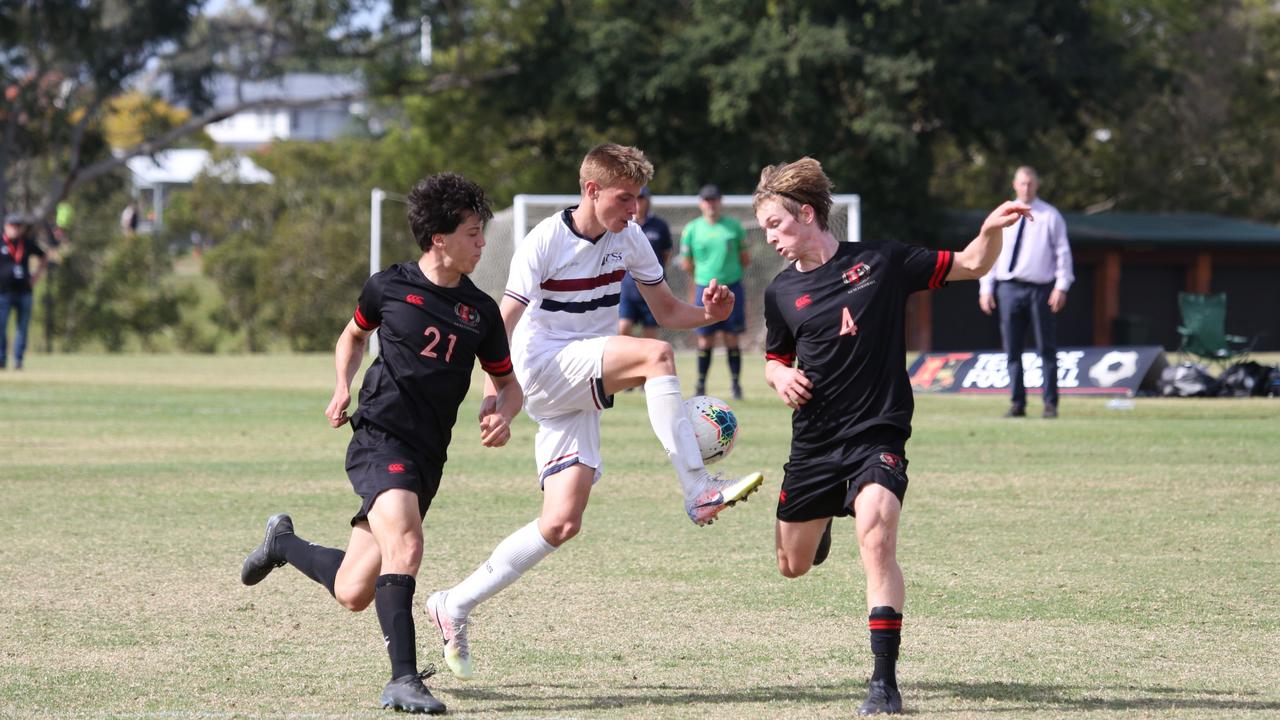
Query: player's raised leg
<point x="877" y="511"/>
<point x="281" y="545"/>
<point x="632" y="361"/>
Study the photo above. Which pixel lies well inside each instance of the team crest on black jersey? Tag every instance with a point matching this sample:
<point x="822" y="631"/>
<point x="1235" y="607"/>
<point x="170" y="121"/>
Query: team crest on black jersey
<point x="856" y="274"/>
<point x="467" y="315"/>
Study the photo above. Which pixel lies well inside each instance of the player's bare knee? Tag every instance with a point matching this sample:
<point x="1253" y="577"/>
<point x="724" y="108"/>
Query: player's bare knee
<point x="792" y="569"/>
<point x="560" y="532"/>
<point x="403" y="556"/>
<point x="662" y="360"/>
<point x="354" y="599"/>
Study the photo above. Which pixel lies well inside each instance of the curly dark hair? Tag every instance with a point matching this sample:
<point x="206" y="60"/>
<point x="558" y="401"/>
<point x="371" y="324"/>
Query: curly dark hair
<point x="439" y="203"/>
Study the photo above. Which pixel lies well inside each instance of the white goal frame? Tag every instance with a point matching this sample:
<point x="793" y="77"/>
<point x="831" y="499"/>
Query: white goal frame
<point x="520" y="214"/>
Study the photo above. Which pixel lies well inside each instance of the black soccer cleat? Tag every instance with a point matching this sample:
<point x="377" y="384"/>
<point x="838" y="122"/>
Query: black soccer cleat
<point x="882" y="699"/>
<point x="824" y="545"/>
<point x="408" y="694"/>
<point x="265" y="558"/>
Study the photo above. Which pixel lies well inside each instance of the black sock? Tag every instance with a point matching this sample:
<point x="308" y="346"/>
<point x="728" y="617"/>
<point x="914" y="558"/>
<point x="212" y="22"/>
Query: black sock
<point x="393" y="597"/>
<point x="735" y="363"/>
<point x="704" y="364"/>
<point x="315" y="561"/>
<point x="886" y="635"/>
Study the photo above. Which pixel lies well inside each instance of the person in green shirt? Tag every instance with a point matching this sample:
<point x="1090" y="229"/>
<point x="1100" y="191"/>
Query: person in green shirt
<point x="713" y="247"/>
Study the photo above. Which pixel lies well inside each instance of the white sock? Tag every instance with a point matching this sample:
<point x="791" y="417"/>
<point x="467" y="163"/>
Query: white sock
<point x="671" y="425"/>
<point x="520" y="551"/>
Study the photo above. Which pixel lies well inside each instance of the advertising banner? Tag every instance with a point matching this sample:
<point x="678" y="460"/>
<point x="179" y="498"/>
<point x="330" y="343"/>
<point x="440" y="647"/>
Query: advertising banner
<point x="1081" y="371"/>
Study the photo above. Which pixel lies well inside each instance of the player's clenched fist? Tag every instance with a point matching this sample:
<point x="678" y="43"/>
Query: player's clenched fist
<point x="337" y="410"/>
<point x="792" y="386"/>
<point x="495" y="430"/>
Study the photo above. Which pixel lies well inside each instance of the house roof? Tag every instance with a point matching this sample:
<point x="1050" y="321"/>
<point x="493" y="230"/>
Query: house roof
<point x="182" y="166"/>
<point x="295" y="87"/>
<point x="1188" y="229"/>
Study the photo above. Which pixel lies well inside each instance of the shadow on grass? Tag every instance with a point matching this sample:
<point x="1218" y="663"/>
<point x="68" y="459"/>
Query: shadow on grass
<point x="569" y="697"/>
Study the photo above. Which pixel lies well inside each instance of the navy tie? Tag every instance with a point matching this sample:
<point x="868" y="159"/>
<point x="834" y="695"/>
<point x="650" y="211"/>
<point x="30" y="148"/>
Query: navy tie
<point x="1017" y="245"/>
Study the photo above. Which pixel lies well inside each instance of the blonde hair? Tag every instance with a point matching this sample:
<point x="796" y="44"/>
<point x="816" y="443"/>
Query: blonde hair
<point x="794" y="185"/>
<point x="610" y="164"/>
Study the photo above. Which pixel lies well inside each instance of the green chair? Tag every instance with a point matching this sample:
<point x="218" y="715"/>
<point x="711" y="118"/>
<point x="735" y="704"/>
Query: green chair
<point x="1204" y="333"/>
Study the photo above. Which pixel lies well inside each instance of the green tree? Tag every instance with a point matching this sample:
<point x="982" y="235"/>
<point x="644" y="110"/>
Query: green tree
<point x="713" y="90"/>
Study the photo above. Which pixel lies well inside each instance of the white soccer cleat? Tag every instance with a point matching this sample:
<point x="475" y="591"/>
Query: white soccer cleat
<point x="716" y="495"/>
<point x="453" y="632"/>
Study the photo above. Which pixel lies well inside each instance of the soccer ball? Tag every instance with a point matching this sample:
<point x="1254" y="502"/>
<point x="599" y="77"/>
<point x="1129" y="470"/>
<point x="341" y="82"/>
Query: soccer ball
<point x="714" y="425"/>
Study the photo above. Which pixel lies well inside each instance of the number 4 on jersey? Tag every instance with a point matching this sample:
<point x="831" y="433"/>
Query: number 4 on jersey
<point x="847" y="325"/>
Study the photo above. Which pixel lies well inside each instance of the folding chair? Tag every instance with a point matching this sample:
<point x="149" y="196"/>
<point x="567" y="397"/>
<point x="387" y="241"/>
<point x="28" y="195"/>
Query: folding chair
<point x="1203" y="330"/>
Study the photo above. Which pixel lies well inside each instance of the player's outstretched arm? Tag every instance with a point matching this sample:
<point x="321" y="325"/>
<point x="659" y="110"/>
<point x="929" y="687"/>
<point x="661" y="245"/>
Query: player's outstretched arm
<point x="980" y="254"/>
<point x="790" y="383"/>
<point x="495" y="425"/>
<point x="347" y="357"/>
<point x="675" y="314"/>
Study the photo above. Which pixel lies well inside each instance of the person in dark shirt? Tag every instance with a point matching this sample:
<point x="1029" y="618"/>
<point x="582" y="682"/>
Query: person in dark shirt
<point x="632" y="309"/>
<point x="836" y="353"/>
<point x="433" y="323"/>
<point x="18" y="253"/>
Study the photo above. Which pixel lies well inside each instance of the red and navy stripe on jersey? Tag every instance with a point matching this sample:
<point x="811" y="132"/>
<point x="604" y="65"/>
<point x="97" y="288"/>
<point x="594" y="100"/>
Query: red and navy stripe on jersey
<point x="844" y="323"/>
<point x="429" y="338"/>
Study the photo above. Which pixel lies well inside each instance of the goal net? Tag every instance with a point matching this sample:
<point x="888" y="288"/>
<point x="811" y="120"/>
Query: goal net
<point x="509" y="226"/>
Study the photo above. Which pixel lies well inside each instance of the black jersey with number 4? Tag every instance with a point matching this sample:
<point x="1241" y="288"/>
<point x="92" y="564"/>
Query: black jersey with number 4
<point x="844" y="322"/>
<point x="428" y="339"/>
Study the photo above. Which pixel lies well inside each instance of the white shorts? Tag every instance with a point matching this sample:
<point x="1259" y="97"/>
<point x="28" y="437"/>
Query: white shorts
<point x="565" y="397"/>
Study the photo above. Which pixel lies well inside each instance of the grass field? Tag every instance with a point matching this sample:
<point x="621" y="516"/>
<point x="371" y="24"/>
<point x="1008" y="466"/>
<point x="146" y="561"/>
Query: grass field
<point x="1108" y="564"/>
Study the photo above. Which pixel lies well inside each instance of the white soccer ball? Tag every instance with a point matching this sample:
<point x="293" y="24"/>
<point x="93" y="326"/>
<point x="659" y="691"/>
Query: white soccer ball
<point x="714" y="425"/>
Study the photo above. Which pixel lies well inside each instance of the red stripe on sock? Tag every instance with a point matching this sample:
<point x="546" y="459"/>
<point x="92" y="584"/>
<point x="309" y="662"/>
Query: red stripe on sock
<point x="884" y="624"/>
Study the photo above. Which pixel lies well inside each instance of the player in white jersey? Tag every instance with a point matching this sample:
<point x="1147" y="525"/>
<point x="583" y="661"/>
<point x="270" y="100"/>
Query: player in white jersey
<point x="561" y="307"/>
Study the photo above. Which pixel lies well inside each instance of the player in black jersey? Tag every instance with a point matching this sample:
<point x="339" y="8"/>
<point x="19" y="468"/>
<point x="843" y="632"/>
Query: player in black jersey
<point x="839" y="310"/>
<point x="432" y="324"/>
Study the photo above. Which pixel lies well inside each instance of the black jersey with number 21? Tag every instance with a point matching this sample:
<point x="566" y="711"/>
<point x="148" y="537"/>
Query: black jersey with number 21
<point x="844" y="323"/>
<point x="428" y="338"/>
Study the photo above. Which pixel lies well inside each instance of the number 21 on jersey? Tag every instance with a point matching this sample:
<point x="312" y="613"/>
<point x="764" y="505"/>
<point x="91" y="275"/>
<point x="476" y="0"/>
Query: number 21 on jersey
<point x="433" y="336"/>
<point x="847" y="325"/>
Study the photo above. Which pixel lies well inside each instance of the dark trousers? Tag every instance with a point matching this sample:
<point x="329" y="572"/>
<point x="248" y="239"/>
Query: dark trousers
<point x="1022" y="305"/>
<point x="20" y="302"/>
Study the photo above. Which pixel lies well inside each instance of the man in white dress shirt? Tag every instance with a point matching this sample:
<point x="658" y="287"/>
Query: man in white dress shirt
<point x="1029" y="285"/>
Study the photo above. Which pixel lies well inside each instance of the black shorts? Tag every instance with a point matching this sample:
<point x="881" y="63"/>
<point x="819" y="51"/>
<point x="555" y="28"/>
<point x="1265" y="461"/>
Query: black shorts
<point x="823" y="482"/>
<point x="378" y="461"/>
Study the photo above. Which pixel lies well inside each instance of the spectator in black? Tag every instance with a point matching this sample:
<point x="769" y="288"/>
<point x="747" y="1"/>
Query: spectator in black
<point x="18" y="254"/>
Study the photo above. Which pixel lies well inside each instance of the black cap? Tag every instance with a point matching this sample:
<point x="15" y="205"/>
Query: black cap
<point x="645" y="191"/>
<point x="16" y="219"/>
<point x="709" y="192"/>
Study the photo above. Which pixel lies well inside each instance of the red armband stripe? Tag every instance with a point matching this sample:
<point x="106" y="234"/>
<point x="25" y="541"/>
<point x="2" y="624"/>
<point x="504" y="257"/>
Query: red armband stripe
<point x="786" y="359"/>
<point x="363" y="323"/>
<point x="500" y="367"/>
<point x="941" y="269"/>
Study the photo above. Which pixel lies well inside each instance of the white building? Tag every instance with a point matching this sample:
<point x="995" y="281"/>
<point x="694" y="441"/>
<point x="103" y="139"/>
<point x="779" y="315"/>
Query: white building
<point x="254" y="128"/>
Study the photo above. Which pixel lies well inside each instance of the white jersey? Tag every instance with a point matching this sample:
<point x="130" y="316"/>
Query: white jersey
<point x="571" y="285"/>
